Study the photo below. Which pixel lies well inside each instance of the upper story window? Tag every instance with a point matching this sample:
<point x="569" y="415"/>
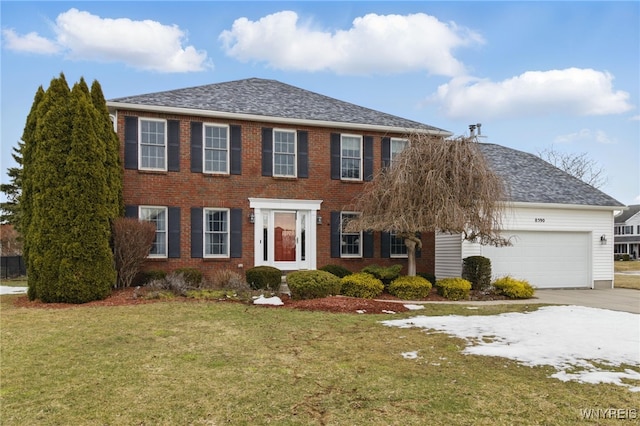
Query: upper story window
<point x="157" y="216"/>
<point x="153" y="144"/>
<point x="350" y="242"/>
<point x="397" y="246"/>
<point x="284" y="153"/>
<point x="216" y="232"/>
<point x="397" y="146"/>
<point x="623" y="230"/>
<point x="216" y="149"/>
<point x="351" y="157"/>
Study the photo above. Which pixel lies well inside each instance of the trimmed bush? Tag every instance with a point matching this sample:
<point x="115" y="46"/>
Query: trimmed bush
<point x="477" y="270"/>
<point x="410" y="288"/>
<point x="313" y="284"/>
<point x="384" y="274"/>
<point x="337" y="270"/>
<point x="362" y="285"/>
<point x="152" y="275"/>
<point x="192" y="276"/>
<point x="453" y="288"/>
<point x="513" y="288"/>
<point x="264" y="278"/>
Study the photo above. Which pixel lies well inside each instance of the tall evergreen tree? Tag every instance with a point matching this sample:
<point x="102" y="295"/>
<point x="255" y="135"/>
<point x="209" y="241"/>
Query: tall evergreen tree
<point x="68" y="196"/>
<point x="9" y="210"/>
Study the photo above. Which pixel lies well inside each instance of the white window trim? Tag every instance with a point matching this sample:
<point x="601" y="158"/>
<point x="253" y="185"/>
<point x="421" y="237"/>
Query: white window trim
<point x="295" y="152"/>
<point x="166" y="160"/>
<point x="204" y="233"/>
<point x="166" y="227"/>
<point x="350" y="256"/>
<point x="204" y="147"/>
<point x="342" y="136"/>
<point x="391" y="254"/>
<point x="392" y="140"/>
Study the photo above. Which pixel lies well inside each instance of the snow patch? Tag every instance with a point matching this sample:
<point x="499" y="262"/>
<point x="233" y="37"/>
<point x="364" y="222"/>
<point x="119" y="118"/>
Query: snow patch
<point x="274" y="301"/>
<point x="414" y="307"/>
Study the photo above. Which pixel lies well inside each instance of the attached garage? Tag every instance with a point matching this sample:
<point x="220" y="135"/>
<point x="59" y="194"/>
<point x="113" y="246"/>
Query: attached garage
<point x="560" y="228"/>
<point x="545" y="259"/>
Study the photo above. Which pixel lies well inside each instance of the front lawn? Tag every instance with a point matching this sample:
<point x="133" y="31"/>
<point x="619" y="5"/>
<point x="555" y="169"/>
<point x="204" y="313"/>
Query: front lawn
<point x="627" y="280"/>
<point x="178" y="363"/>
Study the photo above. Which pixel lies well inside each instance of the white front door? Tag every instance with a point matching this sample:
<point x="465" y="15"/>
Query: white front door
<point x="285" y="233"/>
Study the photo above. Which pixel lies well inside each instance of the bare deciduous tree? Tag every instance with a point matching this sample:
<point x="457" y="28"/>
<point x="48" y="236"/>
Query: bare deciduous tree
<point x="434" y="185"/>
<point x="132" y="240"/>
<point x="577" y="165"/>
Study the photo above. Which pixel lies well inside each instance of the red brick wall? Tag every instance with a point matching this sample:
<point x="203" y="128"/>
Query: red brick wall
<point x="185" y="189"/>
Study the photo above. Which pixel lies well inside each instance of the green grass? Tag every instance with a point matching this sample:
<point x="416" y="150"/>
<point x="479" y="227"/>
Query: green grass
<point x="208" y="363"/>
<point x="15" y="282"/>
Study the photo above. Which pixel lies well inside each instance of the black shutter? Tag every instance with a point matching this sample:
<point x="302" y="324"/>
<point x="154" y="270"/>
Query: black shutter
<point x="267" y="151"/>
<point x="386" y="152"/>
<point x="131" y="211"/>
<point x="174" y="232"/>
<point x="196" y="232"/>
<point x="367" y="244"/>
<point x="235" y="248"/>
<point x="385" y="245"/>
<point x="173" y="145"/>
<point x="418" y="251"/>
<point x="196" y="147"/>
<point x="236" y="149"/>
<point x="335" y="156"/>
<point x="303" y="154"/>
<point x="131" y="142"/>
<point x="335" y="234"/>
<point x="368" y="158"/>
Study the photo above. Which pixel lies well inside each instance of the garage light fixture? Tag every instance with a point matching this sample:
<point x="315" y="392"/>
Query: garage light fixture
<point x="603" y="239"/>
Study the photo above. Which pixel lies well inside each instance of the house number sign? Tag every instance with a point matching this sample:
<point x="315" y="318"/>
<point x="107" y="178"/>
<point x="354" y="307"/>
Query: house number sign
<point x="539" y="219"/>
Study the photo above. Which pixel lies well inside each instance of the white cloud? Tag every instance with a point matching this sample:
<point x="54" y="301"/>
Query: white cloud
<point x="635" y="118"/>
<point x="146" y="45"/>
<point x="30" y="43"/>
<point x="571" y="91"/>
<point x="379" y="44"/>
<point x="585" y="135"/>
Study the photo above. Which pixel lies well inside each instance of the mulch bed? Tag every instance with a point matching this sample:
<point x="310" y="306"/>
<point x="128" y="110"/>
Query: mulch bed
<point x="383" y="304"/>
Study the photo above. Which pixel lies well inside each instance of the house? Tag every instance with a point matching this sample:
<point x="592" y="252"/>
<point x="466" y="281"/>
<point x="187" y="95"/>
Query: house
<point x="626" y="233"/>
<point x="257" y="172"/>
<point x="560" y="227"/>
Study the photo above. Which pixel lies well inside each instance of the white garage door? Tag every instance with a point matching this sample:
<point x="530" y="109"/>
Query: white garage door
<point x="545" y="259"/>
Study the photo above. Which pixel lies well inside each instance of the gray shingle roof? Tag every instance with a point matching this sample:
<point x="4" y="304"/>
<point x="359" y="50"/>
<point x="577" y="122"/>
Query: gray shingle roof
<point x="272" y="98"/>
<point x="532" y="180"/>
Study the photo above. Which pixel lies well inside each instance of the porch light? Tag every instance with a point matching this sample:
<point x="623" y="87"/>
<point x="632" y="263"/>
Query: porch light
<point x="252" y="217"/>
<point x="603" y="239"/>
<point x="319" y="220"/>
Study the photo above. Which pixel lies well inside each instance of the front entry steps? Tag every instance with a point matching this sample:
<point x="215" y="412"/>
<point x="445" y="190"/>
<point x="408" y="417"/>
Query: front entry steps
<point x="284" y="288"/>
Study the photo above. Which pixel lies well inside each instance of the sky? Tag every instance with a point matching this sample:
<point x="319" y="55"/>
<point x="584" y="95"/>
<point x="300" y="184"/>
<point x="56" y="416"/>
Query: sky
<point x="562" y="76"/>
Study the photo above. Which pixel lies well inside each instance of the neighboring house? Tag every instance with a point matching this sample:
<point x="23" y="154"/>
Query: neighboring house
<point x="626" y="232"/>
<point x="257" y="172"/>
<point x="560" y="227"/>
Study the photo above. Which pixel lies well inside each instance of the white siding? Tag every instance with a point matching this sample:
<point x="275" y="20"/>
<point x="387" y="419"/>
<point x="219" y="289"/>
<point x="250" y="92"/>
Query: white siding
<point x="448" y="255"/>
<point x="595" y="222"/>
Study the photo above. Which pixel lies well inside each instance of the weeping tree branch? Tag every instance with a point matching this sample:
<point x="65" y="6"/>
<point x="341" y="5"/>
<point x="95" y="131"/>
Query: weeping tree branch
<point x="434" y="185"/>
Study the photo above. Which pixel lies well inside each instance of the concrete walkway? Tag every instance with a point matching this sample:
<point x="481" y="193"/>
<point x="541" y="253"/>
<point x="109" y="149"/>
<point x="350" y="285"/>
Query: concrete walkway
<point x="615" y="299"/>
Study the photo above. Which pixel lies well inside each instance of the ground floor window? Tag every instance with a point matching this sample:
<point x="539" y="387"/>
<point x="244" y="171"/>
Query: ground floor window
<point x="620" y="249"/>
<point x="350" y="242"/>
<point x="216" y="232"/>
<point x="157" y="216"/>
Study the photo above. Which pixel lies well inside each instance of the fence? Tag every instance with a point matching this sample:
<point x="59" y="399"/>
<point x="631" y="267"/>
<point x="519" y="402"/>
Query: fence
<point x="12" y="266"/>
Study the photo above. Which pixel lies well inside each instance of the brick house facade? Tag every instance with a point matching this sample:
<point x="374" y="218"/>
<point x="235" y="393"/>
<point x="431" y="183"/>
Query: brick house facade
<point x="257" y="172"/>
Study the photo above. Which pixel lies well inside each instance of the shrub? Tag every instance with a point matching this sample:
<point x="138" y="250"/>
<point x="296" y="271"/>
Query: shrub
<point x="313" y="284"/>
<point x="513" y="288"/>
<point x="174" y="283"/>
<point x="362" y="285"/>
<point x="384" y="274"/>
<point x="410" y="288"/>
<point x="477" y="270"/>
<point x="337" y="270"/>
<point x="132" y="240"/>
<point x="192" y="276"/>
<point x="264" y="278"/>
<point x="152" y="275"/>
<point x="427" y="276"/>
<point x="226" y="278"/>
<point x="453" y="288"/>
